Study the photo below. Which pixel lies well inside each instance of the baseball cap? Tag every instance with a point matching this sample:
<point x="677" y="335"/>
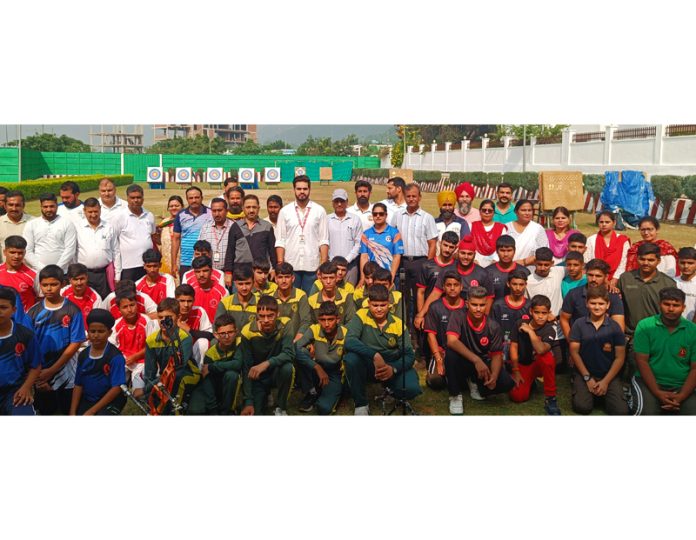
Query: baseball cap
<point x="339" y="194"/>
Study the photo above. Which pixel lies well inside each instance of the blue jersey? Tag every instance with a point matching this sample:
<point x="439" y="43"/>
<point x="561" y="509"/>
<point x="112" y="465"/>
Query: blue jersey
<point x="55" y="329"/>
<point x="20" y="316"/>
<point x="381" y="247"/>
<point x="189" y="226"/>
<point x="19" y="352"/>
<point x="97" y="376"/>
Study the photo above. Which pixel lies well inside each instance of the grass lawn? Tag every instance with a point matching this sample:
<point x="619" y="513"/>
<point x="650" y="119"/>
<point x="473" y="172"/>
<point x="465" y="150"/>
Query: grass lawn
<point x="430" y="402"/>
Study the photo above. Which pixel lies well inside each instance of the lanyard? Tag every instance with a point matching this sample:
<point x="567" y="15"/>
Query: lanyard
<point x="306" y="216"/>
<point x="215" y="234"/>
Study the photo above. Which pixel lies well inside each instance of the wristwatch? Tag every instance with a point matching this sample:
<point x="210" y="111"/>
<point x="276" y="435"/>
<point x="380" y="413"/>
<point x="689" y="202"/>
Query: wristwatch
<point x="394" y="369"/>
<point x="587" y="377"/>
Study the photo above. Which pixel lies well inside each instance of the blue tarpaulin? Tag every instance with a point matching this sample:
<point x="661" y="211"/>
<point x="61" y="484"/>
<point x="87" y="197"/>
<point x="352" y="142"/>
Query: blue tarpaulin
<point x="630" y="194"/>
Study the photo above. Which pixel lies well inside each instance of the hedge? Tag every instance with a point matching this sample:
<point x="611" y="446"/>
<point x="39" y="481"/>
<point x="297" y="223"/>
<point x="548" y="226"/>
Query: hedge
<point x="528" y="181"/>
<point x="427" y="176"/>
<point x="689" y="187"/>
<point x="371" y="173"/>
<point x="667" y="187"/>
<point x="32" y="189"/>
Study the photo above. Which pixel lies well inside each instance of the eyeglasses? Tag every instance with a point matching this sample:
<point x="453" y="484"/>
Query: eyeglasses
<point x="225" y="334"/>
<point x="486" y="210"/>
<point x="379" y="213"/>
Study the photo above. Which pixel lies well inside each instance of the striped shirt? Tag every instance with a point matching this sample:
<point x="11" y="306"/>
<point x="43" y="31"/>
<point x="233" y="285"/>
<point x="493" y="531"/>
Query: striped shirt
<point x="416" y="229"/>
<point x="189" y="227"/>
<point x="344" y="236"/>
<point x="218" y="237"/>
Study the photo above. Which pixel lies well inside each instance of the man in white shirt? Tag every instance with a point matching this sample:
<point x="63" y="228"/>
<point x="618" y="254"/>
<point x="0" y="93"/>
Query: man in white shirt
<point x="97" y="247"/>
<point x="110" y="203"/>
<point x="396" y="199"/>
<point x="14" y="221"/>
<point x="362" y="207"/>
<point x="273" y="205"/>
<point x="134" y="228"/>
<point x="419" y="234"/>
<point x="685" y="281"/>
<point x="345" y="231"/>
<point x="71" y="207"/>
<point x="302" y="237"/>
<point x="51" y="239"/>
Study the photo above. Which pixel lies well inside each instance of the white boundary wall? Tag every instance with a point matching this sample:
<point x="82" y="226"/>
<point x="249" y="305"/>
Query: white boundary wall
<point x="654" y="155"/>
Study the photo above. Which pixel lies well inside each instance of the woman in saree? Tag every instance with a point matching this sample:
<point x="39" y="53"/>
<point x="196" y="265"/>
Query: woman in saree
<point x="648" y="228"/>
<point x="559" y="233"/>
<point x="609" y="246"/>
<point x="529" y="235"/>
<point x="174" y="206"/>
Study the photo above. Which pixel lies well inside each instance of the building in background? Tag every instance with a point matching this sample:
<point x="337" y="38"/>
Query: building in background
<point x="117" y="141"/>
<point x="232" y="134"/>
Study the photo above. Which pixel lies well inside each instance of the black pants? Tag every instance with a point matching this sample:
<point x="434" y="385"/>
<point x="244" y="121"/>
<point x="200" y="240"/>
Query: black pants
<point x="53" y="401"/>
<point x="412" y="269"/>
<point x="134" y="274"/>
<point x="97" y="280"/>
<point x="459" y="369"/>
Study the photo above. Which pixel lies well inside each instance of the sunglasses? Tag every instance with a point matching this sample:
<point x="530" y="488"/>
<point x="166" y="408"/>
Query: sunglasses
<point x="486" y="210"/>
<point x="379" y="213"/>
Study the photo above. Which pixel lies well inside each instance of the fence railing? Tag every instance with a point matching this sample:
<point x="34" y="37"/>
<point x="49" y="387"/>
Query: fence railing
<point x="556" y="139"/>
<point x="677" y="130"/>
<point x="635" y="133"/>
<point x="589" y="136"/>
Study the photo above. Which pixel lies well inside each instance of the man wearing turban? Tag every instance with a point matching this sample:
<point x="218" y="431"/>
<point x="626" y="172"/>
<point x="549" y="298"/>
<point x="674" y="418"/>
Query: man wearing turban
<point x="448" y="221"/>
<point x="465" y="198"/>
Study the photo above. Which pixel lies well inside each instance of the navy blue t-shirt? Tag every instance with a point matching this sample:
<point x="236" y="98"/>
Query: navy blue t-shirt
<point x="525" y="350"/>
<point x="507" y="315"/>
<point x="597" y="345"/>
<point x="19" y="352"/>
<point x="97" y="376"/>
<point x="499" y="278"/>
<point x="575" y="304"/>
<point x="484" y="340"/>
<point x="437" y="319"/>
<point x="55" y="329"/>
<point x="474" y="277"/>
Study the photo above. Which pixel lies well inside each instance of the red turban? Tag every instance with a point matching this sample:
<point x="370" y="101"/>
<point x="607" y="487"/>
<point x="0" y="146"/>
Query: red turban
<point x="466" y="186"/>
<point x="467" y="243"/>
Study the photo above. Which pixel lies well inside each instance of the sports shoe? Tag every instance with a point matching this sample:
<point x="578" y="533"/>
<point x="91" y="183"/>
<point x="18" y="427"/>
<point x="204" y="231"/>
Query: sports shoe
<point x="456" y="404"/>
<point x="474" y="391"/>
<point x="362" y="411"/>
<point x="280" y="412"/>
<point x="551" y="407"/>
<point x="307" y="403"/>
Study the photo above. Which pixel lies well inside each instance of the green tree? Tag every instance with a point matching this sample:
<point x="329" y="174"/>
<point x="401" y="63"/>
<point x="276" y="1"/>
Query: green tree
<point x="533" y="130"/>
<point x="248" y="148"/>
<point x="48" y="142"/>
<point x="200" y="144"/>
<point x="276" y="145"/>
<point x="441" y="133"/>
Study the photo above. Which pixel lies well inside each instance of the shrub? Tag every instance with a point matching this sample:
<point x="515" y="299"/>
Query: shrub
<point x="667" y="187"/>
<point x="526" y="180"/>
<point x="371" y="173"/>
<point x="32" y="189"/>
<point x="477" y="178"/>
<point x="427" y="176"/>
<point x="494" y="178"/>
<point x="689" y="187"/>
<point x="458" y="177"/>
<point x="593" y="183"/>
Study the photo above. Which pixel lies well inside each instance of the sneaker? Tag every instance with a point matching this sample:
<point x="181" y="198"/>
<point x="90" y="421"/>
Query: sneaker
<point x="307" y="403"/>
<point x="456" y="404"/>
<point x="280" y="412"/>
<point x="362" y="411"/>
<point x="474" y="391"/>
<point x="551" y="407"/>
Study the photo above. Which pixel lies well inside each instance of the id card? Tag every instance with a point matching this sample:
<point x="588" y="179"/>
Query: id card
<point x="216" y="256"/>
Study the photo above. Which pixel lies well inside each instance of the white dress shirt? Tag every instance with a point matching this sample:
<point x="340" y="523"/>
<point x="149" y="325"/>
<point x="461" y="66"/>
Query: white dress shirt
<point x="392" y="209"/>
<point x="416" y="229"/>
<point x="74" y="214"/>
<point x="108" y="213"/>
<point x="97" y="247"/>
<point x="344" y="236"/>
<point x="134" y="234"/>
<point x="10" y="228"/>
<point x="50" y="242"/>
<point x="364" y="215"/>
<point x="302" y="244"/>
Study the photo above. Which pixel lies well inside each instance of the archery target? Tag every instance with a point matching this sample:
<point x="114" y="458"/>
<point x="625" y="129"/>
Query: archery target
<point x="246" y="176"/>
<point x="299" y="171"/>
<point x="272" y="175"/>
<point x="214" y="175"/>
<point x="155" y="174"/>
<point x="183" y="175"/>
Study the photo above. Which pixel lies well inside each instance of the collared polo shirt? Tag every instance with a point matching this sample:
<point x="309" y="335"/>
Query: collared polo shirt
<point x="597" y="345"/>
<point x="575" y="304"/>
<point x="364" y="215"/>
<point x="670" y="353"/>
<point x="505" y="217"/>
<point x="570" y="284"/>
<point x="641" y="299"/>
<point x="189" y="226"/>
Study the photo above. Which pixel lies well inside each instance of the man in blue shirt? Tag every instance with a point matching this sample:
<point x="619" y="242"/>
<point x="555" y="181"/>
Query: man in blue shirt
<point x="187" y="227"/>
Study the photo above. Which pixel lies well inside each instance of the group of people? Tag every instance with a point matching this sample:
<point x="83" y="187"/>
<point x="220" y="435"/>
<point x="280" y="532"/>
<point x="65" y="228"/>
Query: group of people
<point x="213" y="308"/>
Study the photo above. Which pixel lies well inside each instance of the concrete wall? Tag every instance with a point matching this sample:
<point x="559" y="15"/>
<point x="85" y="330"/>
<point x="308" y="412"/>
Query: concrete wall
<point x="654" y="155"/>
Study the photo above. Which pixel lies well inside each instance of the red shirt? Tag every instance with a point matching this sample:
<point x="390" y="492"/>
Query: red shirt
<point x="21" y="281"/>
<point x="157" y="292"/>
<point x="140" y="299"/>
<point x="208" y="299"/>
<point x="86" y="303"/>
<point x="195" y="318"/>
<point x="131" y="340"/>
<point x="216" y="275"/>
